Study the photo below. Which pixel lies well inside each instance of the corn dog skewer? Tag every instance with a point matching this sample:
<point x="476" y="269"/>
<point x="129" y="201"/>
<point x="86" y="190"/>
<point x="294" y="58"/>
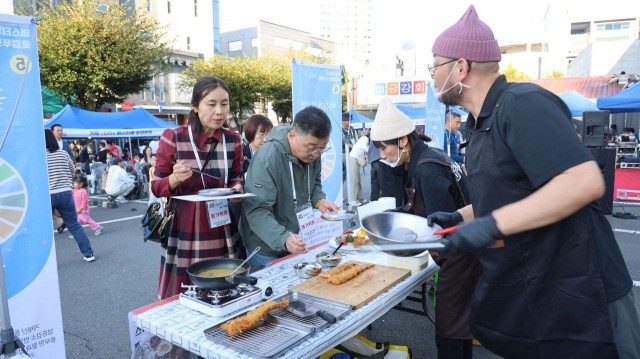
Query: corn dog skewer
<point x="249" y="320"/>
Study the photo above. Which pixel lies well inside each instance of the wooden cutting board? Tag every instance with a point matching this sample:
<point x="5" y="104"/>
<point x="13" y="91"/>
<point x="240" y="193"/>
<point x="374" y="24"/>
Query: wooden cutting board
<point x="358" y="291"/>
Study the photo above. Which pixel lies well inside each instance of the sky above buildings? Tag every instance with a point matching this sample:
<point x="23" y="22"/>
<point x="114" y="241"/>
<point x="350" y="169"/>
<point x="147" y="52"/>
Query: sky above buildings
<point x="399" y="22"/>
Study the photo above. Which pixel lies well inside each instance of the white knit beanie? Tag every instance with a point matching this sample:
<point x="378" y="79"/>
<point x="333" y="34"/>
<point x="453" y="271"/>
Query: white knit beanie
<point x="390" y="123"/>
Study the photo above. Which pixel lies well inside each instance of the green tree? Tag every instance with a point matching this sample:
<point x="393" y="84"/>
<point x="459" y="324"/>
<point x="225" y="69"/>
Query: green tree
<point x="555" y="75"/>
<point x="97" y="56"/>
<point x="243" y="76"/>
<point x="512" y="74"/>
<point x="253" y="81"/>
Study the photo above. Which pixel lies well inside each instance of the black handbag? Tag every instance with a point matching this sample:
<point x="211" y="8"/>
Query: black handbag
<point x="157" y="219"/>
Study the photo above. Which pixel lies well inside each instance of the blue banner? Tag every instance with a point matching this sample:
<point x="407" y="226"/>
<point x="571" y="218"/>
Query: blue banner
<point x="321" y="86"/>
<point x="434" y="124"/>
<point x="26" y="230"/>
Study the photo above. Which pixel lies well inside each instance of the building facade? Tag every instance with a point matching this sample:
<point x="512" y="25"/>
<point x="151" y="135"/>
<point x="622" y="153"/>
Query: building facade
<point x="273" y="39"/>
<point x="193" y="32"/>
<point x="348" y="24"/>
<point x="589" y="41"/>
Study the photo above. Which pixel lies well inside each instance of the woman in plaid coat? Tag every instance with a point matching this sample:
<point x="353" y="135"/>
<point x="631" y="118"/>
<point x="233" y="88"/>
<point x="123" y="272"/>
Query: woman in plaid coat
<point x="191" y="236"/>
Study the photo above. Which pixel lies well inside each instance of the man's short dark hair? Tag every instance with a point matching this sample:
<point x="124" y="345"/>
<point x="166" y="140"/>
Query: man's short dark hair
<point x="345" y="116"/>
<point x="614" y="126"/>
<point x="54" y="126"/>
<point x="312" y="121"/>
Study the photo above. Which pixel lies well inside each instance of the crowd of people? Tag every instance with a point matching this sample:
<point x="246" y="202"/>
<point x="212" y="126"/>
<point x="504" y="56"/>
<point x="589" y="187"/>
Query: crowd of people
<point x="533" y="271"/>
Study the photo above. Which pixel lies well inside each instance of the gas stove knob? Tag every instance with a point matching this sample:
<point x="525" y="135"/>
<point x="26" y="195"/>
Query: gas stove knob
<point x="267" y="289"/>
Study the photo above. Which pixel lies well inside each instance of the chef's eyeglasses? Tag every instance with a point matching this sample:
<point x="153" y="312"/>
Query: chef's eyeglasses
<point x="432" y="67"/>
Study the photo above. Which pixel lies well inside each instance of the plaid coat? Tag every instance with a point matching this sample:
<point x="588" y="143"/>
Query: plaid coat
<point x="190" y="238"/>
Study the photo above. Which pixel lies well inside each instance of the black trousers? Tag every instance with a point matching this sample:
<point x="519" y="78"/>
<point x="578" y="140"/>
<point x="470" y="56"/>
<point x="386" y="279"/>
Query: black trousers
<point x="454" y="348"/>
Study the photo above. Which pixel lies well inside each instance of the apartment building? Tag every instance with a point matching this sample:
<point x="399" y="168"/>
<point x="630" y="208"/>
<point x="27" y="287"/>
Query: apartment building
<point x="588" y="41"/>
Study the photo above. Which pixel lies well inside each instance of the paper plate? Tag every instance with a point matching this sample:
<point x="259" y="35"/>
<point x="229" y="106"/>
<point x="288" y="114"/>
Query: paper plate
<point x="333" y="242"/>
<point x="341" y="215"/>
<point x="215" y="192"/>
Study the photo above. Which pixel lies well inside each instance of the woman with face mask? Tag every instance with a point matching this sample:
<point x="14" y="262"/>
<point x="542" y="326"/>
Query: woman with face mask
<point x="433" y="182"/>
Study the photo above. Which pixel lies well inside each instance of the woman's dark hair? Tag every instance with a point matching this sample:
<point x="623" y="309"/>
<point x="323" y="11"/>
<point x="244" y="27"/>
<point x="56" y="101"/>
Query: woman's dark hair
<point x="254" y="124"/>
<point x="201" y="89"/>
<point x="80" y="178"/>
<point x="50" y="141"/>
<point x="312" y="121"/>
<point x="414" y="137"/>
<point x="144" y="154"/>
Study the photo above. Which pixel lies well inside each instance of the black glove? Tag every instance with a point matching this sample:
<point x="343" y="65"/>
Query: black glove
<point x="444" y="219"/>
<point x="473" y="236"/>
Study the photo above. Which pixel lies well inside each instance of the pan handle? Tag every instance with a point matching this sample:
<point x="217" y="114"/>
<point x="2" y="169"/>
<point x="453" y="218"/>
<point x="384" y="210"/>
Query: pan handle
<point x="328" y="317"/>
<point x="235" y="279"/>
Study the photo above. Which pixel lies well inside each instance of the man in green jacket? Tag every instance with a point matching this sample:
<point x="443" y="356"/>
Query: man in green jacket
<point x="285" y="176"/>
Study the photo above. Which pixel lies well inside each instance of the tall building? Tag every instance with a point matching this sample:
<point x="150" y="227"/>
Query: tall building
<point x="348" y="24"/>
<point x="189" y="23"/>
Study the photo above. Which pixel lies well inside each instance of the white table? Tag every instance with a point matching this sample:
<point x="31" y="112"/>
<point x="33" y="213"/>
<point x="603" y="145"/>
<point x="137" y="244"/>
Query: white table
<point x="184" y="327"/>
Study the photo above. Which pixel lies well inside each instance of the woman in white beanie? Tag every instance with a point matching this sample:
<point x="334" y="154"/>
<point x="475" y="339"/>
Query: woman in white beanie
<point x="434" y="183"/>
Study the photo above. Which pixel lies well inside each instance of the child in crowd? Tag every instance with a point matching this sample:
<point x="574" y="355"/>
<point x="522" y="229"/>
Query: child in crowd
<point x="81" y="199"/>
<point x="131" y="173"/>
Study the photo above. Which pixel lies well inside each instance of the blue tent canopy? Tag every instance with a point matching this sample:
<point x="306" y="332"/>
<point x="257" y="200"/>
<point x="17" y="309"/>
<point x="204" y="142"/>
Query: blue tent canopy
<point x="82" y="123"/>
<point x="626" y="101"/>
<point x="419" y="113"/>
<point x="577" y="103"/>
<point x="358" y="120"/>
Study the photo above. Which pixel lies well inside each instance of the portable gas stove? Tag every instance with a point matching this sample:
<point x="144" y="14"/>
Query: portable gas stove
<point x="219" y="303"/>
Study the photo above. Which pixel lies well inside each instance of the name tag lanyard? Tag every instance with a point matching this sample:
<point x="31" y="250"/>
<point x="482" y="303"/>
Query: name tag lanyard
<point x="224" y="154"/>
<point x="293" y="188"/>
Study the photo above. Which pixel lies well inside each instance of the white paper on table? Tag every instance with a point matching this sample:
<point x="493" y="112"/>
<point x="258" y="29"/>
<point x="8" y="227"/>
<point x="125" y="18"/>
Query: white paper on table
<point x="378" y="206"/>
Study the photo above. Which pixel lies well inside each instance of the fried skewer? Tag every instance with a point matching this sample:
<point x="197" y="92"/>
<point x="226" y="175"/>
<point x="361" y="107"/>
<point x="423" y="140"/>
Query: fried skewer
<point x="249" y="320"/>
<point x="349" y="274"/>
<point x="337" y="270"/>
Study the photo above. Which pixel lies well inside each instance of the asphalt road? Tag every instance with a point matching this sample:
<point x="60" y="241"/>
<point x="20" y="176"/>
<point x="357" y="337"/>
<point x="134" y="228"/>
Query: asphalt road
<point x="96" y="297"/>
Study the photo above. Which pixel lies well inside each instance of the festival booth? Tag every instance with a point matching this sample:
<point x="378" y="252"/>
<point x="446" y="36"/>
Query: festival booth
<point x="577" y="103"/>
<point x="627" y="173"/>
<point x="79" y="123"/>
<point x="82" y="123"/>
<point x="359" y="121"/>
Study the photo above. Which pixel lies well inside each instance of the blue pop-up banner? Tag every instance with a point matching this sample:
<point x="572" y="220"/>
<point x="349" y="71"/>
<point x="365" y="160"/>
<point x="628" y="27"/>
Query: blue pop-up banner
<point x="26" y="230"/>
<point x="321" y="86"/>
<point x="434" y="124"/>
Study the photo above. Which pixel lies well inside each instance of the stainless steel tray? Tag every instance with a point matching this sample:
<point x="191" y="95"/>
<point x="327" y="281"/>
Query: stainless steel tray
<point x="272" y="337"/>
<point x="339" y="310"/>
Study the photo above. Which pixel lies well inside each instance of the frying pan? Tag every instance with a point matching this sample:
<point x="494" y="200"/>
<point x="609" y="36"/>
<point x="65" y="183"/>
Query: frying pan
<point x="224" y="282"/>
<point x="403" y="234"/>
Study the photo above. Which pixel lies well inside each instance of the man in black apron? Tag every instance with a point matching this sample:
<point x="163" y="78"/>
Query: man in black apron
<point x="554" y="282"/>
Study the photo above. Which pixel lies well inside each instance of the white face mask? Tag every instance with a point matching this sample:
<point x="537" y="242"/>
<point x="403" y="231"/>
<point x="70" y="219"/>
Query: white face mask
<point x="394" y="164"/>
<point x="438" y="94"/>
